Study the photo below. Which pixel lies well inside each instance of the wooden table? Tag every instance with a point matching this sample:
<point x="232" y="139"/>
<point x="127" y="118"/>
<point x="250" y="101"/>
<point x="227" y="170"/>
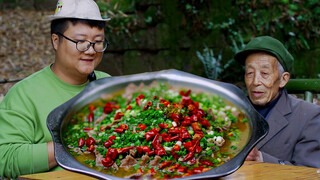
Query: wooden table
<point x="249" y="170"/>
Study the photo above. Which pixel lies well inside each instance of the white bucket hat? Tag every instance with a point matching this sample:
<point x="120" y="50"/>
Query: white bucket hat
<point x="80" y="9"/>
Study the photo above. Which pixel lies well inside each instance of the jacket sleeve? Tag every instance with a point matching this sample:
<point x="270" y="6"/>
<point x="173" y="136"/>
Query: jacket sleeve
<point x="19" y="153"/>
<point x="306" y="151"/>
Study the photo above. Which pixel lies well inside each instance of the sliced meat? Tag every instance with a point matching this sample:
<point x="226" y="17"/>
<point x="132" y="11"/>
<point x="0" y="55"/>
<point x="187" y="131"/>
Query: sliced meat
<point x="99" y="119"/>
<point x="99" y="157"/>
<point x="155" y="161"/>
<point x="210" y="112"/>
<point x="133" y="152"/>
<point x="128" y="161"/>
<point x="144" y="160"/>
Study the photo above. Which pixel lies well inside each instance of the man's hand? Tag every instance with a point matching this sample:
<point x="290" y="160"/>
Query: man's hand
<point x="52" y="160"/>
<point x="254" y="155"/>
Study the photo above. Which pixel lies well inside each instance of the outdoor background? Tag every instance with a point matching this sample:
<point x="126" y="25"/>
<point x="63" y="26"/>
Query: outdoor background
<point x="195" y="36"/>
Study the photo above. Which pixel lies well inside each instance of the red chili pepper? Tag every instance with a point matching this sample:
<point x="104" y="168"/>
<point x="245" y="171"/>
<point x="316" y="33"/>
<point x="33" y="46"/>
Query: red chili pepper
<point x="186" y="123"/>
<point x="149" y="104"/>
<point x="108" y="143"/>
<point x="182" y="169"/>
<point x="156" y="141"/>
<point x="103" y="128"/>
<point x="173" y="167"/>
<point x="207" y="163"/>
<point x="112" y="153"/>
<point x="196" y="104"/>
<point x="139" y="149"/>
<point x="152" y="171"/>
<point x="138" y="99"/>
<point x="184" y="134"/>
<point x="107" y="162"/>
<point x="192" y="151"/>
<point x="124" y="126"/>
<point x="142" y="127"/>
<point x="118" y="115"/>
<point x="91" y="107"/>
<point x="108" y="108"/>
<point x="197" y="170"/>
<point x="150" y="153"/>
<point x="187" y="145"/>
<point x="129" y="107"/>
<point x="90" y="117"/>
<point x="198" y="149"/>
<point x="192" y="160"/>
<point x="175" y="130"/>
<point x="175" y="117"/>
<point x="200" y="113"/>
<point x="91" y="148"/>
<point x="186" y="100"/>
<point x="166" y="137"/>
<point x="112" y="137"/>
<point x="165" y="164"/>
<point x="194" y="118"/>
<point x="149" y="135"/>
<point x="204" y="122"/>
<point x="174" y="138"/>
<point x="81" y="142"/>
<point x="163" y="125"/>
<point x="146" y="149"/>
<point x="160" y="151"/>
<point x="90" y="141"/>
<point x="157" y="130"/>
<point x="176" y="148"/>
<point x="182" y="93"/>
<point x="125" y="149"/>
<point x="174" y="155"/>
<point x="195" y="127"/>
<point x="119" y="130"/>
<point x="191" y="107"/>
<point x="166" y="103"/>
<point x="87" y="129"/>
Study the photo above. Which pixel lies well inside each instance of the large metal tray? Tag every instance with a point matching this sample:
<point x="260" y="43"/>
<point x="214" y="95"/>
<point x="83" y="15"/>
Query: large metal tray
<point x="60" y="116"/>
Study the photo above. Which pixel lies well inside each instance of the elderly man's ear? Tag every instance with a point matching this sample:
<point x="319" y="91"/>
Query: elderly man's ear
<point x="284" y="79"/>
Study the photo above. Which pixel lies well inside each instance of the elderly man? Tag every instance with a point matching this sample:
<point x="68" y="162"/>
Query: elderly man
<point x="294" y="136"/>
<point x="78" y="39"/>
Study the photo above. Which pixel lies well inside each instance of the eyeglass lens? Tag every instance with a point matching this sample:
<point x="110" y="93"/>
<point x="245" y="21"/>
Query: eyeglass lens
<point x="98" y="46"/>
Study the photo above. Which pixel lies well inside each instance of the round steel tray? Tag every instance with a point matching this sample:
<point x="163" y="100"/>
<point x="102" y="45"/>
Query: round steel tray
<point x="60" y="116"/>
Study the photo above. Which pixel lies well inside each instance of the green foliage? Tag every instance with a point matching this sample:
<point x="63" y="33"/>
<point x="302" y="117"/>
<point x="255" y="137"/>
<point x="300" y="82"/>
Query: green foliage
<point x="225" y="26"/>
<point x="211" y="64"/>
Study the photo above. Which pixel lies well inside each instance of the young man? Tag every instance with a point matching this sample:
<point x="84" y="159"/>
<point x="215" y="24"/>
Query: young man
<point x="294" y="136"/>
<point x="77" y="34"/>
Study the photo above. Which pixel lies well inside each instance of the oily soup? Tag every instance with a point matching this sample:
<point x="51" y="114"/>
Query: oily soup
<point x="156" y="131"/>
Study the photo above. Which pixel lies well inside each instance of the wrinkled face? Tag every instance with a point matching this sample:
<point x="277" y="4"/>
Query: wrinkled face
<point x="73" y="63"/>
<point x="262" y="78"/>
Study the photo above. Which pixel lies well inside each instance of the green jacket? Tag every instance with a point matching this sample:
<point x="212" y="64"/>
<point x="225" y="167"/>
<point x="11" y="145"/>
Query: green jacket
<point x="23" y="116"/>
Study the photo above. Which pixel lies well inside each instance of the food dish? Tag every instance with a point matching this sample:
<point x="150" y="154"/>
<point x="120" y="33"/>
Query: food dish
<point x="60" y="117"/>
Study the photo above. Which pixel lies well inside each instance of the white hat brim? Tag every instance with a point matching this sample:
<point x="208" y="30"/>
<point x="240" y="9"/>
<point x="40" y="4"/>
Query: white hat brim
<point x="54" y="17"/>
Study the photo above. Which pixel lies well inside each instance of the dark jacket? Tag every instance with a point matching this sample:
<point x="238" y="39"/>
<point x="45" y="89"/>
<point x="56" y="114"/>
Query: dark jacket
<point x="294" y="135"/>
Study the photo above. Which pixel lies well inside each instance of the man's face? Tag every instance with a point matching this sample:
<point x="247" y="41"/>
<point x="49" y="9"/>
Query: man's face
<point x="73" y="63"/>
<point x="262" y="78"/>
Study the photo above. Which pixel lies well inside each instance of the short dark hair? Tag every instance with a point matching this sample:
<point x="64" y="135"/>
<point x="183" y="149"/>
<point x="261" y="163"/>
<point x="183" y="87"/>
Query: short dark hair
<point x="61" y="25"/>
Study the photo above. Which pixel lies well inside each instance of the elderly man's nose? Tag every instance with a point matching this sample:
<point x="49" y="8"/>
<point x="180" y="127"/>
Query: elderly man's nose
<point x="256" y="79"/>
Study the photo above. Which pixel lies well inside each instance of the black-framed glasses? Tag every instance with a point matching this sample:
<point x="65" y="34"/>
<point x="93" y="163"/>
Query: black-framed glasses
<point x="83" y="45"/>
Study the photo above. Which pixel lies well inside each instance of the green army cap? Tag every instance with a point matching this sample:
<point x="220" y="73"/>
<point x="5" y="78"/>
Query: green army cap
<point x="269" y="45"/>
